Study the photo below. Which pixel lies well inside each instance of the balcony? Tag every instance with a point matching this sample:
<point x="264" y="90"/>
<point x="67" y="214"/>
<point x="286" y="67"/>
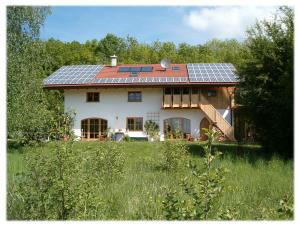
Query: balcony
<point x="181" y="98"/>
<point x="185" y="97"/>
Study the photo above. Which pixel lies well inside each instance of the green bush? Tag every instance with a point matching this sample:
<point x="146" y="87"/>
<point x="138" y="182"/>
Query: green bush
<point x="64" y="183"/>
<point x="107" y="162"/>
<point x="174" y="154"/>
<point x="46" y="188"/>
<point x="286" y="208"/>
<point x="202" y="192"/>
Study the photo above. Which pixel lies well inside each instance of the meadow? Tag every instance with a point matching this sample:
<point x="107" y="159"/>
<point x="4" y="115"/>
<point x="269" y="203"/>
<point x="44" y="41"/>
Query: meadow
<point x="256" y="186"/>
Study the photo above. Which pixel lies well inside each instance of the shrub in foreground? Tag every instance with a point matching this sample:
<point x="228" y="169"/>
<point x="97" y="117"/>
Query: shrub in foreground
<point x="202" y="192"/>
<point x="65" y="183"/>
<point x="174" y="154"/>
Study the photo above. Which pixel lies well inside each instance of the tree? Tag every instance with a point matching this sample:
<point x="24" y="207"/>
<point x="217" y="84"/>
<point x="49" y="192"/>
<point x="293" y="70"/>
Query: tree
<point x="27" y="110"/>
<point x="111" y="45"/>
<point x="69" y="53"/>
<point x="227" y="51"/>
<point x="136" y="52"/>
<point x="267" y="81"/>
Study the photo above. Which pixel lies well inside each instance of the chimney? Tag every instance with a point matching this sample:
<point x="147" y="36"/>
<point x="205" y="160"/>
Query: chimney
<point x="113" y="60"/>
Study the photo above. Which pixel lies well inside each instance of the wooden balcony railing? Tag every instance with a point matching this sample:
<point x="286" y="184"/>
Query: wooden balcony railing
<point x="167" y="101"/>
<point x="181" y="101"/>
<point x="185" y="101"/>
<point x="195" y="99"/>
<point x="176" y="101"/>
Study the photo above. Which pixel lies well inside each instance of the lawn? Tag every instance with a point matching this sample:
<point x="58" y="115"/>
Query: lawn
<point x="254" y="185"/>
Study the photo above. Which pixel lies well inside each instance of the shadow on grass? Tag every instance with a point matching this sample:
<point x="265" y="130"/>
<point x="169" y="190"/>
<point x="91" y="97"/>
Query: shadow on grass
<point x="14" y="146"/>
<point x="233" y="151"/>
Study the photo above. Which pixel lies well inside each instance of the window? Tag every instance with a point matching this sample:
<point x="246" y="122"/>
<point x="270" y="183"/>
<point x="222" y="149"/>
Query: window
<point x="135" y="124"/>
<point x="134" y="96"/>
<point x="211" y="93"/>
<point x="84" y="128"/>
<point x="94" y="128"/>
<point x="173" y="125"/>
<point x="92" y="96"/>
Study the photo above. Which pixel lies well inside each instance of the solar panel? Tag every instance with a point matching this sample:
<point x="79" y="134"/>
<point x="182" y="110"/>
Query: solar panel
<point x="124" y="69"/>
<point x="135" y="69"/>
<point x="212" y="72"/>
<point x="127" y="69"/>
<point x="147" y="69"/>
<point x="74" y="74"/>
<point x="140" y="80"/>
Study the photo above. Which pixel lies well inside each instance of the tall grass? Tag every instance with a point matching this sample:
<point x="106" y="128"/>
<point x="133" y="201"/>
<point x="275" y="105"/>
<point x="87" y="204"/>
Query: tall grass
<point x="255" y="183"/>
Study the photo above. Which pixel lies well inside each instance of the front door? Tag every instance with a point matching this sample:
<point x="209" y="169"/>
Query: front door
<point x="93" y="129"/>
<point x="203" y="124"/>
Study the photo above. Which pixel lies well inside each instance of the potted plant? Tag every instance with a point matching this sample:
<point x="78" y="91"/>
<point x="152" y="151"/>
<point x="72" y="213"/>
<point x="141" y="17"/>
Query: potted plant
<point x="152" y="130"/>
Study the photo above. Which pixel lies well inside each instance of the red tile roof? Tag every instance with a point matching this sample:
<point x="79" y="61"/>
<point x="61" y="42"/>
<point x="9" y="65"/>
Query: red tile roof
<point x="158" y="71"/>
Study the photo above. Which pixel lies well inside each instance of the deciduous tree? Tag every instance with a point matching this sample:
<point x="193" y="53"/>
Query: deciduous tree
<point x="267" y="80"/>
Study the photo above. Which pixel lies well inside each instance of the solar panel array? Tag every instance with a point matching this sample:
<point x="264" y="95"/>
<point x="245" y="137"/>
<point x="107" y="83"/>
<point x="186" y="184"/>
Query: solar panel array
<point x="124" y="69"/>
<point x="74" y="74"/>
<point x="212" y="72"/>
<point x="143" y="80"/>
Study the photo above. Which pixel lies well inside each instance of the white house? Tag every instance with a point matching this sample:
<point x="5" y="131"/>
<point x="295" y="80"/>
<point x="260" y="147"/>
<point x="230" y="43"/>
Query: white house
<point x="121" y="98"/>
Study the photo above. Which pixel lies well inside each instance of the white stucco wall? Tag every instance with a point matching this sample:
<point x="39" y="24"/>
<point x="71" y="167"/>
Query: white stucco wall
<point x="115" y="108"/>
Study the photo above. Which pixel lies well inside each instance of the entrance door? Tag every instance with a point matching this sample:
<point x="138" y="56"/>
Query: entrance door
<point x="203" y="124"/>
<point x="93" y="128"/>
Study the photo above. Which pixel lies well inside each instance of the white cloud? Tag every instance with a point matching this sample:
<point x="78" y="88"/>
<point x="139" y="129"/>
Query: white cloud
<point x="226" y="21"/>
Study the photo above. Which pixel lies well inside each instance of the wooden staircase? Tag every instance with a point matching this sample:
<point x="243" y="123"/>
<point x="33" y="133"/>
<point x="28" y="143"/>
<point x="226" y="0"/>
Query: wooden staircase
<point x="218" y="120"/>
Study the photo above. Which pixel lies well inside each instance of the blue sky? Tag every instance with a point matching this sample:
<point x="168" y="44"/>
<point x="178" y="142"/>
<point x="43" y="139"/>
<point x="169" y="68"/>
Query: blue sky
<point x="193" y="25"/>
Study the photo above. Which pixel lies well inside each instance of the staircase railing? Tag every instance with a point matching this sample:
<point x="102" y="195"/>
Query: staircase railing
<point x="212" y="113"/>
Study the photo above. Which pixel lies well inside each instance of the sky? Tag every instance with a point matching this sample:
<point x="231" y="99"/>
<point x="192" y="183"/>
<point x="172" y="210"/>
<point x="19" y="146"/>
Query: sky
<point x="193" y="25"/>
